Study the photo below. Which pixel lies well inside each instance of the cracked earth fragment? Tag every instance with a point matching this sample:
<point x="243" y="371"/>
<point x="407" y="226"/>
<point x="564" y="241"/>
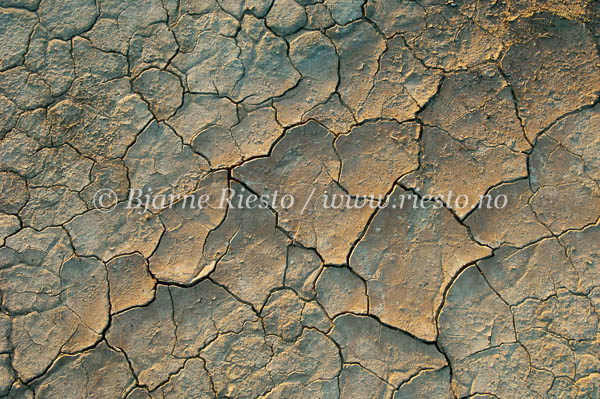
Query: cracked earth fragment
<point x="561" y="164"/>
<point x="540" y="317"/>
<point x="407" y="272"/>
<point x="58" y="303"/>
<point x="188" y="226"/>
<point x="386" y="352"/>
<point x="186" y="111"/>
<point x="303" y="161"/>
<point x="244" y="243"/>
<point x="559" y="69"/>
<point x="102" y="371"/>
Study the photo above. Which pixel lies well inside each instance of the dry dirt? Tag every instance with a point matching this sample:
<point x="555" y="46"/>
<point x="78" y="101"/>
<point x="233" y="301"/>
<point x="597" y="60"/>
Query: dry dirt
<point x="308" y="100"/>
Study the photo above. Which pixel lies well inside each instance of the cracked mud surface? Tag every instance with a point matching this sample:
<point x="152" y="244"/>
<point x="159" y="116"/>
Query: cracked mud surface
<point x="310" y="99"/>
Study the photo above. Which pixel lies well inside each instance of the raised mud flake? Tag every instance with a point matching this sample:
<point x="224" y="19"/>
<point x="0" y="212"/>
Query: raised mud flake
<point x="303" y="268"/>
<point x="345" y="11"/>
<point x="118" y="232"/>
<point x="375" y="154"/>
<point x="201" y="111"/>
<point x="253" y="136"/>
<point x="318" y="17"/>
<point x="258" y="8"/>
<point x="17" y="26"/>
<point x="56" y="126"/>
<point x="188" y="225"/>
<point x="285" y="17"/>
<point x="154" y="47"/>
<point x="339" y="290"/>
<point x="268" y="70"/>
<point x="314" y="56"/>
<point x="9" y="224"/>
<point x="332" y="114"/>
<point x="158" y="162"/>
<point x="98" y="373"/>
<point x="390" y="354"/>
<point x="515" y="224"/>
<point x="129" y="282"/>
<point x="67" y="19"/>
<point x="304" y="165"/>
<point x="397" y="16"/>
<point x="13" y="192"/>
<point x="460" y="172"/>
<point x="20" y="390"/>
<point x="408" y="271"/>
<point x="251" y="252"/>
<point x="51" y="59"/>
<point x="552" y="73"/>
<point x="162" y="90"/>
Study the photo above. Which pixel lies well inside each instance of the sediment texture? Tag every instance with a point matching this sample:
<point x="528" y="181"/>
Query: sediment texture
<point x="311" y="99"/>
